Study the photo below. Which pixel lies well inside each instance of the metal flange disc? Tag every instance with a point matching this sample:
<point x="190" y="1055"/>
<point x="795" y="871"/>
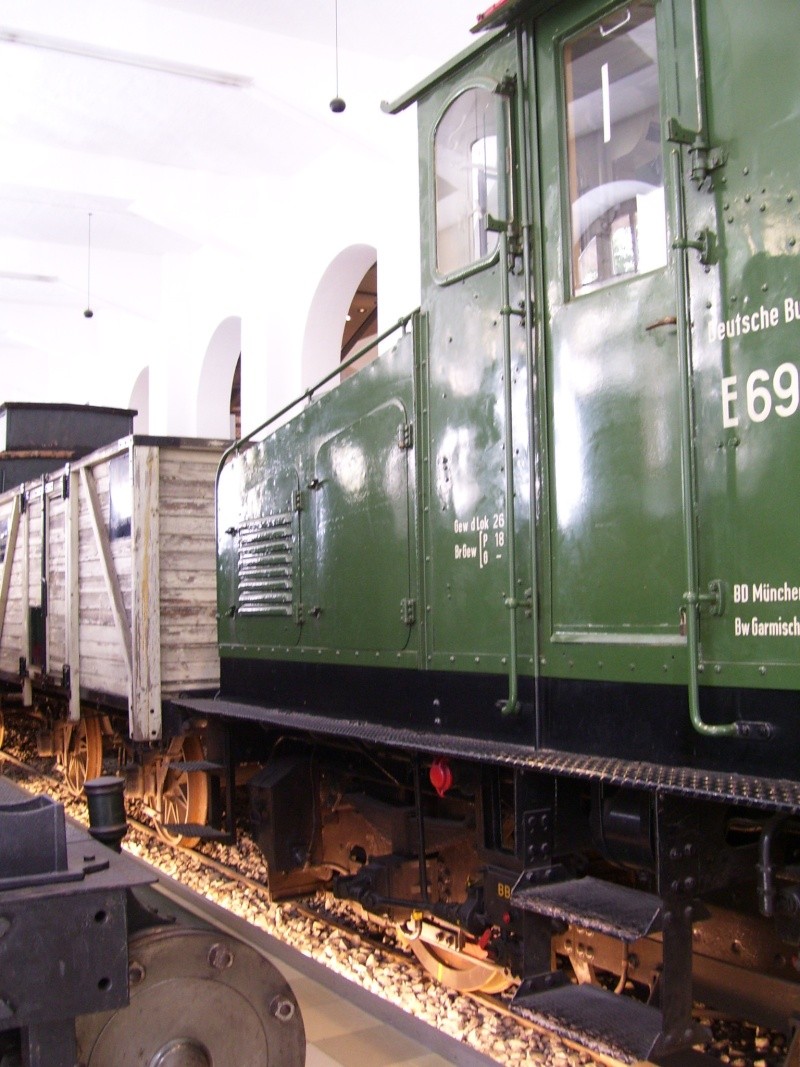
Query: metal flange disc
<point x="197" y="999"/>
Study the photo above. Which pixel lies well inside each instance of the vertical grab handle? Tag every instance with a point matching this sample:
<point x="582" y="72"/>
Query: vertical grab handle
<point x="692" y="598"/>
<point x="511" y="705"/>
<point x="500" y="226"/>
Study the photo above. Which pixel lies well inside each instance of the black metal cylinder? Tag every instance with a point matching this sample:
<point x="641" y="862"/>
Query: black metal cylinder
<point x="107" y="822"/>
<point x="622" y="826"/>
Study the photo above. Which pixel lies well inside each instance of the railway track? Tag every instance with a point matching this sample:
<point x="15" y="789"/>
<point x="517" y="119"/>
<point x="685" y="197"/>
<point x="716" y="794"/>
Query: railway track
<point x="364" y="951"/>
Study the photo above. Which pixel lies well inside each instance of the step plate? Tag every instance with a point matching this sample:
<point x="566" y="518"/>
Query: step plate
<point x="190" y="829"/>
<point x="620" y="912"/>
<point x="190" y="766"/>
<point x="615" y="1026"/>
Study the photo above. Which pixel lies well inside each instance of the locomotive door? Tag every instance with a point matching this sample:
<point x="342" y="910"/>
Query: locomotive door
<point x="477" y="390"/>
<point x="613" y="442"/>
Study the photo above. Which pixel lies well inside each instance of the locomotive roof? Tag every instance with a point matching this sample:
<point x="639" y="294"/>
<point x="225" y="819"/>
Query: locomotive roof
<point x="423" y="87"/>
<point x="496" y="19"/>
<point x="501" y="13"/>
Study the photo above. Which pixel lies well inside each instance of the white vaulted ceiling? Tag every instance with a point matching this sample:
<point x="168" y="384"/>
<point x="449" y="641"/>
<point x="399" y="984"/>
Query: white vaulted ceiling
<point x="124" y="108"/>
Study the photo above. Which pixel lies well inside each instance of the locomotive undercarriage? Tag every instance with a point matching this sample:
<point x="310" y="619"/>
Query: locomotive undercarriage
<point x="546" y="879"/>
<point x="574" y="890"/>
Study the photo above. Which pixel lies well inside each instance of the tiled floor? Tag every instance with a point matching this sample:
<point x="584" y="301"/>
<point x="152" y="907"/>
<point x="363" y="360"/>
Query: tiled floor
<point x="339" y="1034"/>
<point x="348" y="1027"/>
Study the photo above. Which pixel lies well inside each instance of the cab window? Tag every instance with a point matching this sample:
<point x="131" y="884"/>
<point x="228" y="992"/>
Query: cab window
<point x="465" y="160"/>
<point x="614" y="157"/>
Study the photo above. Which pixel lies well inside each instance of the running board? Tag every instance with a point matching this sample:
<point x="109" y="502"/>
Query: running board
<point x="773" y="794"/>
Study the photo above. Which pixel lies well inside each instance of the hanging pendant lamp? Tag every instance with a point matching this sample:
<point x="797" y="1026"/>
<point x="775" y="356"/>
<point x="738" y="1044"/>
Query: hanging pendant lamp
<point x="337" y="105"/>
<point x="88" y="313"/>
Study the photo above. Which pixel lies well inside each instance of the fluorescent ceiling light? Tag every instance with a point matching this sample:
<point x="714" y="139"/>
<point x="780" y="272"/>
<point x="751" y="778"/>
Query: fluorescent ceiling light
<point x="128" y="59"/>
<point x="18" y="276"/>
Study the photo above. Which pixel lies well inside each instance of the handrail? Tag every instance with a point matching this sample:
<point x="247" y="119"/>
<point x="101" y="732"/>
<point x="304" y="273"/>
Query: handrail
<point x="526" y="236"/>
<point x="236" y="446"/>
<point x="511" y="601"/>
<point x="501" y="225"/>
<point x="693" y="599"/>
<point x="511" y="705"/>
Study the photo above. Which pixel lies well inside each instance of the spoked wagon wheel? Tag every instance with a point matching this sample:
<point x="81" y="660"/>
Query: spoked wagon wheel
<point x="83" y="756"/>
<point x="184" y="796"/>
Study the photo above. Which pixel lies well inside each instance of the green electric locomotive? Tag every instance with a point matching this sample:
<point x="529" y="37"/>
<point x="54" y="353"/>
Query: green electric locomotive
<point x="511" y="616"/>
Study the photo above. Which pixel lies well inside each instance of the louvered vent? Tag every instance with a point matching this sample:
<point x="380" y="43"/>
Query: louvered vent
<point x="265" y="566"/>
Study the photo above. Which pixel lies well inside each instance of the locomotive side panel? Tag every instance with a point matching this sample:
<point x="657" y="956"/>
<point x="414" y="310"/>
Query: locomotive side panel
<point x="258" y="547"/>
<point x="317" y="528"/>
<point x="668" y="317"/>
<point x="361" y="535"/>
<point x="746" y="344"/>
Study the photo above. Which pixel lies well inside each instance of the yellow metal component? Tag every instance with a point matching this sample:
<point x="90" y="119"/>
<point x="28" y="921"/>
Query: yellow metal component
<point x="459" y="964"/>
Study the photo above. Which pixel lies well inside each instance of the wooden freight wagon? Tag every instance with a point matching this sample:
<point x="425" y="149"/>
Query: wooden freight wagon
<point x="39" y="438"/>
<point x="108" y="594"/>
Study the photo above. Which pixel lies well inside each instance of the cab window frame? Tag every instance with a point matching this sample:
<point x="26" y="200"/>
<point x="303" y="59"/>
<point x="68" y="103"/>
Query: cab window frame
<point x="491" y="87"/>
<point x="574" y="289"/>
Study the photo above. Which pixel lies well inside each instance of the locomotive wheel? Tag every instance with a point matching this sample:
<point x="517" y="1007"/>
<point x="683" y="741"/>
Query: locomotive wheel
<point x="199" y="999"/>
<point x="184" y="795"/>
<point x="83" y="756"/>
<point x="458" y="970"/>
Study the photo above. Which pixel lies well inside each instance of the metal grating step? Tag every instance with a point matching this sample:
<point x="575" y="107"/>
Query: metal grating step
<point x="612" y="1025"/>
<point x="766" y="794"/>
<point x="615" y="910"/>
<point x="190" y="766"/>
<point x="201" y="830"/>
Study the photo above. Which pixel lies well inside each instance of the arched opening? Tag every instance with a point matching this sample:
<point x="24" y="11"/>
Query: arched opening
<point x="361" y="322"/>
<point x="325" y="333"/>
<point x="140" y="402"/>
<point x="219" y="387"/>
<point x="236" y="400"/>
